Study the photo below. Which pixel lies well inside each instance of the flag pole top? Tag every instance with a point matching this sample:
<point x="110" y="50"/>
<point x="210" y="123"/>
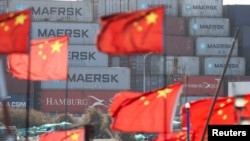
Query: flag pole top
<point x="187" y="105"/>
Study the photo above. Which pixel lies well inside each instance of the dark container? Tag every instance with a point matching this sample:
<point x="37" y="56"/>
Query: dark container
<point x="237" y="14"/>
<point x="179" y="45"/>
<point x="175" y="26"/>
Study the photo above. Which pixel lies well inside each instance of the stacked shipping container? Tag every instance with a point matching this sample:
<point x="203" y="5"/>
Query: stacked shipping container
<point x="197" y="36"/>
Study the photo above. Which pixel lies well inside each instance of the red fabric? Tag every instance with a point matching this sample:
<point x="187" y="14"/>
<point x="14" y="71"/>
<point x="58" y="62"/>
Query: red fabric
<point x="223" y="113"/>
<point x="132" y="32"/>
<point x="15" y="31"/>
<point x="175" y="136"/>
<point x="48" y="60"/>
<point x="70" y="135"/>
<point x="145" y="112"/>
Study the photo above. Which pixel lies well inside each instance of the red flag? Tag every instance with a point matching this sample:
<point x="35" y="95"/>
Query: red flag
<point x="132" y="32"/>
<point x="223" y="113"/>
<point x="15" y="31"/>
<point x="70" y="135"/>
<point x="175" y="136"/>
<point x="48" y="60"/>
<point x="145" y="112"/>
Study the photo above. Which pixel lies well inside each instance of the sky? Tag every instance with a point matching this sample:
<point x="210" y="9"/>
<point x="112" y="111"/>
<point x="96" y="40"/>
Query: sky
<point x="236" y="2"/>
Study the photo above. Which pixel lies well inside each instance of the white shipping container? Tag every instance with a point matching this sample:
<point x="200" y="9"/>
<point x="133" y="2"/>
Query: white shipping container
<point x="184" y="65"/>
<point x="217" y="27"/>
<point x="92" y="78"/>
<point x="86" y="56"/>
<point x="57" y="11"/>
<point x="215" y="65"/>
<point x="238" y="88"/>
<point x="79" y="33"/>
<point x="171" y="6"/>
<point x="201" y="8"/>
<point x="215" y="46"/>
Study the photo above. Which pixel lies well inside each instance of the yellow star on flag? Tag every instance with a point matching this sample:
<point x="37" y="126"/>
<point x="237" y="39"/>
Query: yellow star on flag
<point x="151" y="18"/>
<point x="56" y="47"/>
<point x="164" y="93"/>
<point x="20" y="19"/>
<point x="75" y="137"/>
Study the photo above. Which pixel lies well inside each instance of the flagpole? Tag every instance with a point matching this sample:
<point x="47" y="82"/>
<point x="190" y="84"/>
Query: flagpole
<point x="220" y="83"/>
<point x="28" y="98"/>
<point x="187" y="107"/>
<point x="3" y="98"/>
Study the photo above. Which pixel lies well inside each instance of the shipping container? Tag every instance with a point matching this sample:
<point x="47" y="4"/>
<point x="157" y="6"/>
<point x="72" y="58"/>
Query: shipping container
<point x="175" y="26"/>
<point x="86" y="56"/>
<point x="17" y="86"/>
<point x="179" y="46"/>
<point x="18" y="101"/>
<point x="199" y="26"/>
<point x="215" y="65"/>
<point x="238" y="88"/>
<point x="108" y="7"/>
<point x="243" y="36"/>
<point x="3" y="5"/>
<point x="92" y="78"/>
<point x="56" y="11"/>
<point x="171" y="6"/>
<point x="215" y="46"/>
<point x="245" y="52"/>
<point x="201" y="8"/>
<point x="77" y="102"/>
<point x="174" y="65"/>
<point x="237" y="14"/>
<point x="79" y="33"/>
<point x="232" y="78"/>
<point x="202" y="85"/>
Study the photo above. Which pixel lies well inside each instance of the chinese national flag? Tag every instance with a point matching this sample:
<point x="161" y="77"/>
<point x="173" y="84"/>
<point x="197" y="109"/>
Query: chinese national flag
<point x="175" y="136"/>
<point x="48" y="60"/>
<point x="223" y="113"/>
<point x="15" y="31"/>
<point x="132" y="32"/>
<point x="145" y="112"/>
<point x="69" y="135"/>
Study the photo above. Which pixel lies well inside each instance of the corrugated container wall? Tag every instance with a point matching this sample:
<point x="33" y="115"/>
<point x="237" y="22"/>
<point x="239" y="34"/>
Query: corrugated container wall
<point x="179" y="46"/>
<point x="92" y="78"/>
<point x="186" y="65"/>
<point x="175" y="26"/>
<point x="79" y="33"/>
<point x="208" y="27"/>
<point x="243" y="37"/>
<point x="107" y="7"/>
<point x="215" y="46"/>
<point x="56" y="11"/>
<point x="232" y="78"/>
<point x="77" y="102"/>
<point x="215" y="65"/>
<point x="3" y="5"/>
<point x="86" y="56"/>
<point x="238" y="14"/>
<point x="201" y="8"/>
<point x="171" y="6"/>
<point x="238" y="88"/>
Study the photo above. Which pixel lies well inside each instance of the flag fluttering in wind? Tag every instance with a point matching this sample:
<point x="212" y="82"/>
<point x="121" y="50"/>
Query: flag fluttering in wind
<point x="223" y="113"/>
<point x="48" y="60"/>
<point x="145" y="112"/>
<point x="15" y="31"/>
<point x="69" y="135"/>
<point x="132" y="32"/>
<point x="175" y="136"/>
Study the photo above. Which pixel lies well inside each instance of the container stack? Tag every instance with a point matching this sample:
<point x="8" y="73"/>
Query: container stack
<point x="198" y="38"/>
